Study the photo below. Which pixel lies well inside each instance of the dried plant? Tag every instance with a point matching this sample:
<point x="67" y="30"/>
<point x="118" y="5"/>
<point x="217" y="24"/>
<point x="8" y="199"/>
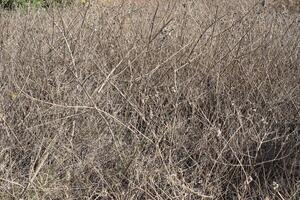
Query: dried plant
<point x="154" y="100"/>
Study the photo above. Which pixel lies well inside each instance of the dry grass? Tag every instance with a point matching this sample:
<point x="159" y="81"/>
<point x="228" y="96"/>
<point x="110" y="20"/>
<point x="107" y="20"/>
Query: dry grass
<point x="177" y="100"/>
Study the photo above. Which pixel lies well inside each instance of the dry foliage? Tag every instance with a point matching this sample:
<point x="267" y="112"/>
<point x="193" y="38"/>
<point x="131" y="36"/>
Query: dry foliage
<point x="176" y="100"/>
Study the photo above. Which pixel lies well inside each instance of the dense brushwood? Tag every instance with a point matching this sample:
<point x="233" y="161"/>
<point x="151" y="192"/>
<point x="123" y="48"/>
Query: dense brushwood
<point x="147" y="100"/>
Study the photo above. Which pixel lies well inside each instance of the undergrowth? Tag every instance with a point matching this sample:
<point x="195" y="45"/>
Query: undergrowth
<point x="146" y="100"/>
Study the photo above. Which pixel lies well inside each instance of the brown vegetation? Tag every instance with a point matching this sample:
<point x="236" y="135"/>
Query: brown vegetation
<point x="177" y="100"/>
